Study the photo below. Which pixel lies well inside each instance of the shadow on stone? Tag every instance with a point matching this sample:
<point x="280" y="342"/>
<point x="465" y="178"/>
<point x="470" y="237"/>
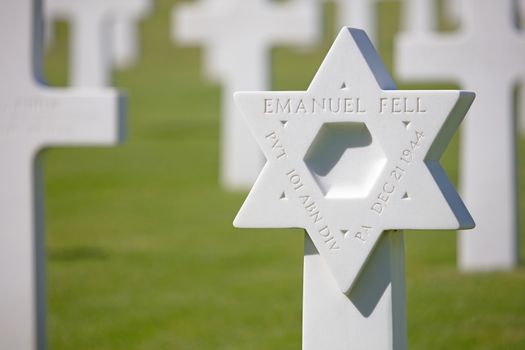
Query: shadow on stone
<point x="344" y="160"/>
<point x="373" y="281"/>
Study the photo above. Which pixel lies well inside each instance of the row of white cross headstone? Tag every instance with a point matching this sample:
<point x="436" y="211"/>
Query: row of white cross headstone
<point x="460" y="57"/>
<point x="486" y="54"/>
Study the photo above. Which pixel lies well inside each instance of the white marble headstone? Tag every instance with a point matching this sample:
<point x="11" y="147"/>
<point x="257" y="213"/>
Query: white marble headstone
<point x="487" y="55"/>
<point x="419" y="15"/>
<point x="359" y="14"/>
<point x="347" y="160"/>
<point x="237" y="36"/>
<point x="452" y="9"/>
<point x="34" y="117"/>
<point x="91" y="39"/>
<point x="126" y="42"/>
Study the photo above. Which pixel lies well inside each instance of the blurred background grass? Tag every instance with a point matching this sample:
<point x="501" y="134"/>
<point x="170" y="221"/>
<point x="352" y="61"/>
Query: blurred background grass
<point x="141" y="249"/>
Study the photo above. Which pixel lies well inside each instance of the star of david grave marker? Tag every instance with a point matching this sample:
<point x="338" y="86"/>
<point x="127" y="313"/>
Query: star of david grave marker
<point x="91" y="35"/>
<point x="237" y="36"/>
<point x="487" y="55"/>
<point x="352" y="160"/>
<point x="33" y="117"/>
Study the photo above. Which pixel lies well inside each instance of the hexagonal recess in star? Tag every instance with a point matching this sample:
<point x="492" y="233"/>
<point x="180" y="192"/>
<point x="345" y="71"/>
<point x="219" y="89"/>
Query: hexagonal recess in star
<point x="345" y="160"/>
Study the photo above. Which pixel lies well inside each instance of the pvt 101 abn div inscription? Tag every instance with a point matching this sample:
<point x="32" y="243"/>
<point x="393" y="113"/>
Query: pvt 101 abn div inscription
<point x="352" y="157"/>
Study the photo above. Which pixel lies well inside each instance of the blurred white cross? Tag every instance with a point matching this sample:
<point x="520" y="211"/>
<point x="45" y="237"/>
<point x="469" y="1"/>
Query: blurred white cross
<point x="92" y="35"/>
<point x="237" y="36"/>
<point x="34" y="117"/>
<point x="486" y="55"/>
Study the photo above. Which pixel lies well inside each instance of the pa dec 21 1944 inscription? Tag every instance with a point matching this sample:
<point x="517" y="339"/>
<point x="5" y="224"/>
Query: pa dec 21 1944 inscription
<point x="352" y="157"/>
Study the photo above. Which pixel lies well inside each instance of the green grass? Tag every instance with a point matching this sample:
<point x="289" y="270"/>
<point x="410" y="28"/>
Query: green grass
<point x="141" y="249"/>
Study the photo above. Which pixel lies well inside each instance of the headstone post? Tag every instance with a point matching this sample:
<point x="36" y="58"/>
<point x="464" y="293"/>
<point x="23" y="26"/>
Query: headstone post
<point x="239" y="35"/>
<point x="33" y="117"/>
<point x="371" y="316"/>
<point x="486" y="55"/>
<point x="352" y="160"/>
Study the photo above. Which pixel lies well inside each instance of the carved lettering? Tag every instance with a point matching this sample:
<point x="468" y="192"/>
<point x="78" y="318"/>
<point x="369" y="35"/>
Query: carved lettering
<point x="276" y="144"/>
<point x="301" y="108"/>
<point x="396" y="175"/>
<point x="283" y="108"/>
<point x="363" y="234"/>
<point x="311" y="106"/>
<point x="312" y="210"/>
<point x="401" y="105"/>
<point x="268" y="107"/>
<point x="377" y="207"/>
